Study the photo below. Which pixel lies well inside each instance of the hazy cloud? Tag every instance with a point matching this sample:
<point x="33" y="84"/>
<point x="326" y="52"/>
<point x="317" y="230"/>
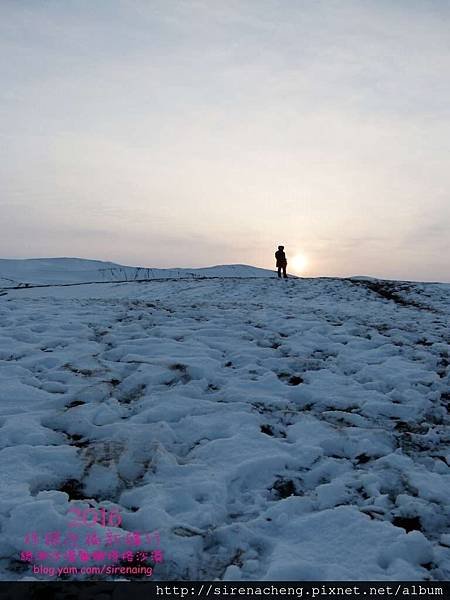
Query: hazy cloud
<point x="191" y="132"/>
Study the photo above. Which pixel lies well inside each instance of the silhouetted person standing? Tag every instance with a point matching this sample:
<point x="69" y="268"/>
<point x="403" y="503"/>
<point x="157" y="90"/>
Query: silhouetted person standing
<point x="281" y="261"/>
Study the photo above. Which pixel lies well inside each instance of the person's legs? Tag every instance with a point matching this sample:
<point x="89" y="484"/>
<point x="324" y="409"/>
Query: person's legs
<point x="284" y="272"/>
<point x="279" y="271"/>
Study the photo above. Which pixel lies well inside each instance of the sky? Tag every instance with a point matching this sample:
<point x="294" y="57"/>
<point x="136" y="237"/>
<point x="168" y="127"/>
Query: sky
<point x="169" y="133"/>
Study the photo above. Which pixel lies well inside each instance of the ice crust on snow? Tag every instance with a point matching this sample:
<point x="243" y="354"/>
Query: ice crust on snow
<point x="267" y="429"/>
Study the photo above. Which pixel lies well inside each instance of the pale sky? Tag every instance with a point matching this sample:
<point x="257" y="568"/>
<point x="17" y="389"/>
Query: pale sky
<point x="169" y="133"/>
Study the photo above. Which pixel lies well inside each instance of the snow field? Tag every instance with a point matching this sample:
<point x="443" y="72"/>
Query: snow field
<point x="267" y="429"/>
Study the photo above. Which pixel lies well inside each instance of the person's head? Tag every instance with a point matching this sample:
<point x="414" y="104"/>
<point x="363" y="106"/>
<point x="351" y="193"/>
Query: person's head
<point x="280" y="247"/>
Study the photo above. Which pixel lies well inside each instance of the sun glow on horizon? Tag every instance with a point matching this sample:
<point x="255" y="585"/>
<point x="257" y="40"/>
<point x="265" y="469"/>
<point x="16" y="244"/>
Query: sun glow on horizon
<point x="299" y="263"/>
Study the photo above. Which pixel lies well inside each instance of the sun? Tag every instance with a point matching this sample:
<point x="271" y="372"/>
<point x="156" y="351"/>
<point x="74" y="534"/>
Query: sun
<point x="299" y="263"/>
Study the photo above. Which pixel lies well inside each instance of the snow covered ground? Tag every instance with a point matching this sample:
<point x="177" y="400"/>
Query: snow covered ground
<point x="293" y="430"/>
<point x="69" y="271"/>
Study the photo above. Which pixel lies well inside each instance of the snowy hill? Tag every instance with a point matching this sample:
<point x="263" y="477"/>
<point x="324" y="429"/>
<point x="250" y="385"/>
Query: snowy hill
<point x="60" y="271"/>
<point x="293" y="430"/>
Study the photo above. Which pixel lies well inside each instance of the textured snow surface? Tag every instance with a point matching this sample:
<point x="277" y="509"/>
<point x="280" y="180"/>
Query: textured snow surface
<point x="267" y="429"/>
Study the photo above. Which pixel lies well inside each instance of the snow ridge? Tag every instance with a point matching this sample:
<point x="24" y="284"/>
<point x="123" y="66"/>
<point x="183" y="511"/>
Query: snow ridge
<point x="67" y="271"/>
